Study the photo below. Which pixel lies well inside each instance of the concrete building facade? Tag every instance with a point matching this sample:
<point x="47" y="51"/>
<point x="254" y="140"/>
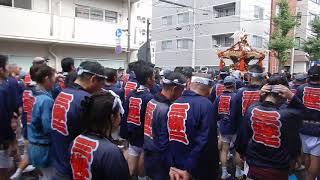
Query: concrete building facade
<point x="305" y="12"/>
<point x="216" y="26"/>
<point x="82" y="29"/>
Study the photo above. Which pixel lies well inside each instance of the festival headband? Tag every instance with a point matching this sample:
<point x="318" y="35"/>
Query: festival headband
<point x="175" y="81"/>
<point x="81" y="70"/>
<point x="224" y="72"/>
<point x="314" y="75"/>
<point x="201" y="80"/>
<point x="253" y="74"/>
<point x="116" y="101"/>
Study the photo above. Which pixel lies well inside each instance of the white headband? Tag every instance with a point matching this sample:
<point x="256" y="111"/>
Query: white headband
<point x="201" y="80"/>
<point x="253" y="74"/>
<point x="81" y="70"/>
<point x="116" y="101"/>
<point x="175" y="81"/>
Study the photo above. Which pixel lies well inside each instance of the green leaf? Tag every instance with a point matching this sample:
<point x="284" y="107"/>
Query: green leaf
<point x="280" y="42"/>
<point x="312" y="45"/>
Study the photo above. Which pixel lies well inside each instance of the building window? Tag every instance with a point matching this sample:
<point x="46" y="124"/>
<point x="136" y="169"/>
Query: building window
<point x="166" y="45"/>
<point x="258" y="12"/>
<point x="257" y="41"/>
<point x="299" y="15"/>
<point x="6" y="2"/>
<point x="96" y="14"/>
<point x="183" y="18"/>
<point x="82" y="12"/>
<point x="24" y="4"/>
<point x="167" y="20"/>
<point x="228" y="10"/>
<point x="297" y="43"/>
<point x="224" y="40"/>
<point x="228" y="41"/>
<point x="111" y="16"/>
<point x="184" y="43"/>
<point x="311" y="18"/>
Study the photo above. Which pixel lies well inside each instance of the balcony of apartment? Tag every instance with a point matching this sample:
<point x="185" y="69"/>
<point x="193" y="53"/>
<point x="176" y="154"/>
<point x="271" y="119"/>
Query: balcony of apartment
<point x="225" y="19"/>
<point x="222" y="41"/>
<point x="221" y="2"/>
<point x="89" y="27"/>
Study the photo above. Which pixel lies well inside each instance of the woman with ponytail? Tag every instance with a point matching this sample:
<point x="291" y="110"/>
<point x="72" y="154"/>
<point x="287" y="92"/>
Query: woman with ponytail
<point x="93" y="154"/>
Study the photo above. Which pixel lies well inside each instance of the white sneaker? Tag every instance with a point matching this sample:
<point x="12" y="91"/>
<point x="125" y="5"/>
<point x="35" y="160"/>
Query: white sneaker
<point x="16" y="175"/>
<point x="225" y="176"/>
<point x="29" y="169"/>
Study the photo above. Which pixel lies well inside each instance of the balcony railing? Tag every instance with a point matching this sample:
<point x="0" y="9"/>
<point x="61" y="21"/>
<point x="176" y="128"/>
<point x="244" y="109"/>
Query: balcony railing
<point x="38" y="26"/>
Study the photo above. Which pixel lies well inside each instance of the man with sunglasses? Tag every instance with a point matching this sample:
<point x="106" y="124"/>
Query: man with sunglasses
<point x="65" y="113"/>
<point x="156" y="136"/>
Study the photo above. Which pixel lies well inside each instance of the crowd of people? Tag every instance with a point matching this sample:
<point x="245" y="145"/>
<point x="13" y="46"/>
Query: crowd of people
<point x="95" y="122"/>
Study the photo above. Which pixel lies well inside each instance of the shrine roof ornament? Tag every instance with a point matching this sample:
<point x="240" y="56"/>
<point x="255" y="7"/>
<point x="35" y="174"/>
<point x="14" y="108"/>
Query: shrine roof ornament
<point x="241" y="54"/>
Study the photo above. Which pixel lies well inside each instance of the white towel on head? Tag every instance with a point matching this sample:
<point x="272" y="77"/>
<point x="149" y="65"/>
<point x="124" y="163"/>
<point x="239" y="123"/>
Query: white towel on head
<point x="117" y="101"/>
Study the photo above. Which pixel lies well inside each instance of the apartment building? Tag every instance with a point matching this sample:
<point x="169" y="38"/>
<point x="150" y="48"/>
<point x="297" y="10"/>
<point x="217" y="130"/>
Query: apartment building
<point x="306" y="12"/>
<point x="217" y="25"/>
<point x="83" y="29"/>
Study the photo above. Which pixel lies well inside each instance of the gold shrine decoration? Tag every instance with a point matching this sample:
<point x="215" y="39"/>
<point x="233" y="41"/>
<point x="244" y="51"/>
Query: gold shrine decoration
<point x="241" y="54"/>
<point x="229" y="54"/>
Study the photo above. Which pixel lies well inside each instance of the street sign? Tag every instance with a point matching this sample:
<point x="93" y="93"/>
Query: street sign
<point x="118" y="33"/>
<point x="118" y="41"/>
<point x="153" y="52"/>
<point x="118" y="49"/>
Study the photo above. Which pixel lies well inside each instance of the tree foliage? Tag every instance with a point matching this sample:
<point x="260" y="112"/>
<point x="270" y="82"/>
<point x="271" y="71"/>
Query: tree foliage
<point x="312" y="46"/>
<point x="280" y="42"/>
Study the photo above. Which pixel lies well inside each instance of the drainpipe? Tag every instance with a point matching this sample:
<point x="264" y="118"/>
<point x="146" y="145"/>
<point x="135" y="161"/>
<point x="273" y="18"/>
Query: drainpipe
<point x="54" y="55"/>
<point x="60" y="8"/>
<point x="51" y="17"/>
<point x="74" y="21"/>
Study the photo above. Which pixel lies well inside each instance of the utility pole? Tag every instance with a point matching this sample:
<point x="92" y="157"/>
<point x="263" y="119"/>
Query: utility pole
<point x="129" y="29"/>
<point x="148" y="41"/>
<point x="292" y="51"/>
<point x="193" y="61"/>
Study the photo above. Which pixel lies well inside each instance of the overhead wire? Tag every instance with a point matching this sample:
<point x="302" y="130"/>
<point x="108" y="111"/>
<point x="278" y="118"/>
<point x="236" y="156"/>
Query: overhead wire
<point x="220" y="22"/>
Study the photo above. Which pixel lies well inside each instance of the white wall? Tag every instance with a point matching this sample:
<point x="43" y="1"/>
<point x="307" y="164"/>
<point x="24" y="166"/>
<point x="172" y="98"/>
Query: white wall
<point x="23" y="53"/>
<point x="36" y="24"/>
<point x="250" y="24"/>
<point x="300" y="67"/>
<point x="40" y="6"/>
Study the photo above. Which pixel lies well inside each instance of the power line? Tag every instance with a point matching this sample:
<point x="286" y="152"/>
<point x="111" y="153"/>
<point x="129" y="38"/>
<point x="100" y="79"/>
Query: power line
<point x="223" y="22"/>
